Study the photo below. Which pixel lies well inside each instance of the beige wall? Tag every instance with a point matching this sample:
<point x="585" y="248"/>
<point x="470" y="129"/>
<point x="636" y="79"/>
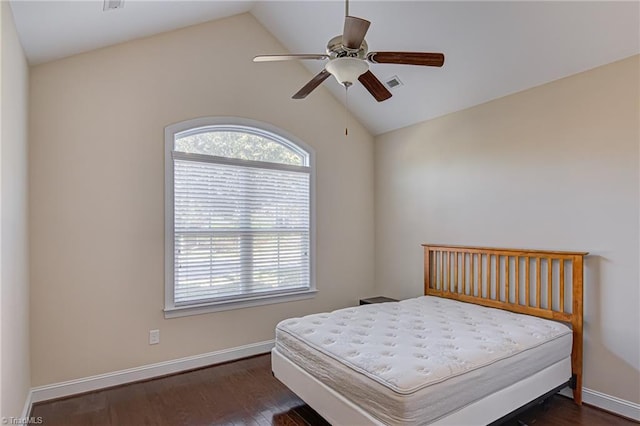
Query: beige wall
<point x="96" y="192"/>
<point x="554" y="167"/>
<point x="14" y="272"/>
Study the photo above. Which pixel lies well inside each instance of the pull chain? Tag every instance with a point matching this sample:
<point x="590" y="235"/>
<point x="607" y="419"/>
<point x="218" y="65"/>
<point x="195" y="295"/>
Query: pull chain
<point x="346" y="110"/>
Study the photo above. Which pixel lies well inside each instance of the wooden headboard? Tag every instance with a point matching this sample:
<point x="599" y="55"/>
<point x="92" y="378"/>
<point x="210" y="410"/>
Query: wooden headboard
<point x="545" y="284"/>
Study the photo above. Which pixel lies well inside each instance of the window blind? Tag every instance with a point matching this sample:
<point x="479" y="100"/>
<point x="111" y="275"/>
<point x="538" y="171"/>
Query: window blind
<point x="240" y="230"/>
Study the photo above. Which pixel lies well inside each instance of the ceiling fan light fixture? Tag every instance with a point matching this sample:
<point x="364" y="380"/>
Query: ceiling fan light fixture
<point x="346" y="69"/>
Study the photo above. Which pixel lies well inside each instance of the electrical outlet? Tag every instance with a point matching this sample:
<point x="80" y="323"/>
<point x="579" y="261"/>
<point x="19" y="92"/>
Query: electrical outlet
<point x="154" y="337"/>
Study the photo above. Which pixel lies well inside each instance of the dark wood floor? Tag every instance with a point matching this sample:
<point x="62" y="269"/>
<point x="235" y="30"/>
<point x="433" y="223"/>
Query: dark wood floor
<point x="240" y="393"/>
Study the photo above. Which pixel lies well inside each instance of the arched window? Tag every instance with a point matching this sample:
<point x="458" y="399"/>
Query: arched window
<point x="239" y="204"/>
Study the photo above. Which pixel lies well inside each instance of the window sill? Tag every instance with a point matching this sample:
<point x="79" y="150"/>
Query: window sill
<point x="184" y="311"/>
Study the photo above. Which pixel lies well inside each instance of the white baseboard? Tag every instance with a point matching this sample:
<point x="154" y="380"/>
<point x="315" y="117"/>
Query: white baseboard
<point x="606" y="402"/>
<point x="26" y="410"/>
<point x="145" y="372"/>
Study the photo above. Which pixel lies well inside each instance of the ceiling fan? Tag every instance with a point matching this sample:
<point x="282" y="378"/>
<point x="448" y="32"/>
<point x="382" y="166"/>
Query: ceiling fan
<point x="349" y="60"/>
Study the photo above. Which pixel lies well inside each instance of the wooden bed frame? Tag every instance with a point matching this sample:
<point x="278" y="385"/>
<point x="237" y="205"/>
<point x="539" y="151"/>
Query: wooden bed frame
<point x="532" y="282"/>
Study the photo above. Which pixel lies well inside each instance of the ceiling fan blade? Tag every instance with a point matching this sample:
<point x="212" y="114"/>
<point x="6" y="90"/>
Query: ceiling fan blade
<point x="354" y="31"/>
<point x="374" y="86"/>
<point x="407" y="58"/>
<point x="272" y="58"/>
<point x="315" y="82"/>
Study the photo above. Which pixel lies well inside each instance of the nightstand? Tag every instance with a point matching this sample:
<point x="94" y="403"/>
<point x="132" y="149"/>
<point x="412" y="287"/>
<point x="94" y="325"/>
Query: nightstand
<point x="379" y="299"/>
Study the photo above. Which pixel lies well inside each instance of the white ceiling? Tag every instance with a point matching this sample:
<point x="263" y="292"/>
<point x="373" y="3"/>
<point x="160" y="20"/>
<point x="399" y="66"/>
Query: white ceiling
<point x="51" y="29"/>
<point x="492" y="48"/>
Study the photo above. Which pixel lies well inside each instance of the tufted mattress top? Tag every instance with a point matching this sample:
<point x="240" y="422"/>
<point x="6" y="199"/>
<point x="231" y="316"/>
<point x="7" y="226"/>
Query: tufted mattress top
<point x="414" y="361"/>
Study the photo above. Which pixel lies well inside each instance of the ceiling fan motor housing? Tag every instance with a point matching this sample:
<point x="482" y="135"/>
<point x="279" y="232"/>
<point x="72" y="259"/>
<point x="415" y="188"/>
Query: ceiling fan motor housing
<point x="336" y="49"/>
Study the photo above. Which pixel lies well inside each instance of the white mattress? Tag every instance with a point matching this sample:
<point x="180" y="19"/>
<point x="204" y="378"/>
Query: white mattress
<point x="415" y="361"/>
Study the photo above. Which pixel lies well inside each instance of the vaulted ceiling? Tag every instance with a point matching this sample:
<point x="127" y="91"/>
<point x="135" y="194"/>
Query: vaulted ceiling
<point x="492" y="49"/>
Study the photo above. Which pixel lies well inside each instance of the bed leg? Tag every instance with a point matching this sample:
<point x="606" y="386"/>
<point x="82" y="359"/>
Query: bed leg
<point x="547" y="403"/>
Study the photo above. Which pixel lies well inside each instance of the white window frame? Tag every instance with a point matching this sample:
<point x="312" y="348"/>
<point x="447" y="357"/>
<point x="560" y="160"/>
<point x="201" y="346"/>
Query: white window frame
<point x="250" y="126"/>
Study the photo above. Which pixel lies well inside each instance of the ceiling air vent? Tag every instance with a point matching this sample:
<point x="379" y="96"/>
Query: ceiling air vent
<point x="113" y="4"/>
<point x="393" y="82"/>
